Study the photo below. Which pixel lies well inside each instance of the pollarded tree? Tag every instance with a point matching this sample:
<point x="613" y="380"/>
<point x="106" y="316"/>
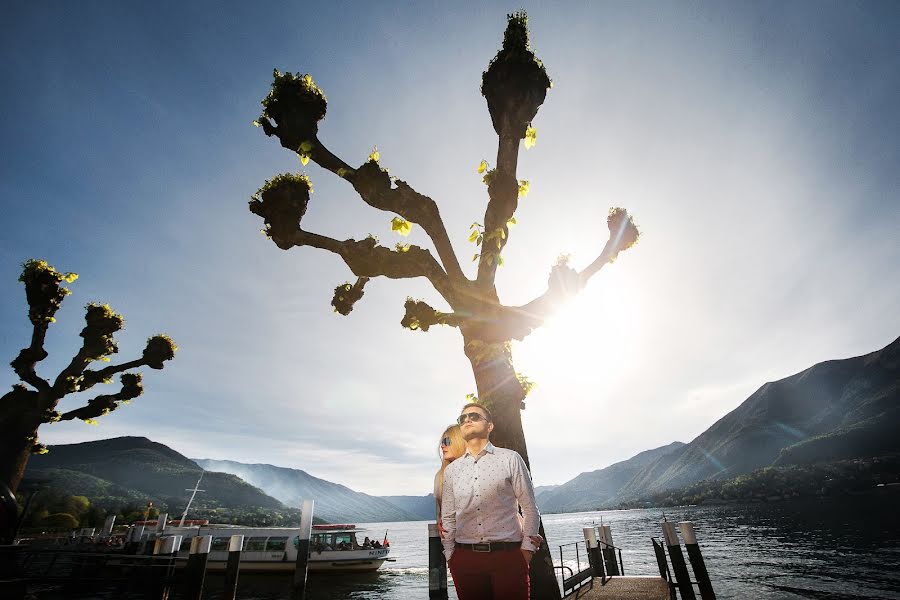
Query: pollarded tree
<point x="27" y="407"/>
<point x="515" y="86"/>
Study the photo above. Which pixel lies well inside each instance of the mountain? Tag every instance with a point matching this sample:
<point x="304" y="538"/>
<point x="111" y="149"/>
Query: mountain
<point x="838" y="409"/>
<point x="334" y="502"/>
<point x="421" y="506"/>
<point x="594" y="489"/>
<point x="134" y="470"/>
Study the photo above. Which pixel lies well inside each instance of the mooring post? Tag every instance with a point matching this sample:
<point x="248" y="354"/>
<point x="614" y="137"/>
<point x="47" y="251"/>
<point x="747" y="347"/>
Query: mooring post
<point x="593" y="550"/>
<point x="696" y="558"/>
<point x="306" y="517"/>
<point x="161" y="523"/>
<point x="163" y="563"/>
<point x="682" y="577"/>
<point x="195" y="571"/>
<point x="437" y="565"/>
<point x="108" y="525"/>
<point x="232" y="567"/>
<point x="608" y="549"/>
<point x="133" y="542"/>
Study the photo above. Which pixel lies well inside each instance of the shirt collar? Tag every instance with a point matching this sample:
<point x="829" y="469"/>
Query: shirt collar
<point x="487" y="449"/>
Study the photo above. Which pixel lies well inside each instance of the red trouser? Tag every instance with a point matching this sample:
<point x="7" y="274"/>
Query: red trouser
<point x="499" y="575"/>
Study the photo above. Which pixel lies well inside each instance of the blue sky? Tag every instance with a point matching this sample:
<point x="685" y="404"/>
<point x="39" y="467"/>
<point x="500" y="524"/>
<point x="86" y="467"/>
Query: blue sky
<point x="755" y="144"/>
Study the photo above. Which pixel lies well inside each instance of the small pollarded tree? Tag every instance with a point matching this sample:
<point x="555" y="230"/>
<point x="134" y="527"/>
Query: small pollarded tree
<point x="515" y="86"/>
<point x="24" y="409"/>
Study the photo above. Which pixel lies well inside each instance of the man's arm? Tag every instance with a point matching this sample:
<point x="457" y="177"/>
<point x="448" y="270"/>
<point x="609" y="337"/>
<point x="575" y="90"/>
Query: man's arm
<point x="524" y="490"/>
<point x="448" y="513"/>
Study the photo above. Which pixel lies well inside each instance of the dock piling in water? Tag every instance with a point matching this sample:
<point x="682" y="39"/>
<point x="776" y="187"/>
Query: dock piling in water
<point x="696" y="558"/>
<point x="195" y="571"/>
<point x="608" y="549"/>
<point x="595" y="556"/>
<point x="682" y="578"/>
<point x="233" y="567"/>
<point x="306" y="518"/>
<point x="437" y="566"/>
<point x="162" y="566"/>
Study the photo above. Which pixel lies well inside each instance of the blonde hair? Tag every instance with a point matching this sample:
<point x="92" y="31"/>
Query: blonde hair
<point x="457" y="449"/>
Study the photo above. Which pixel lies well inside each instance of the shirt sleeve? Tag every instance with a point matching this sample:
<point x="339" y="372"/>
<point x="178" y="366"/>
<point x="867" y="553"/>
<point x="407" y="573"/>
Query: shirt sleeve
<point x="448" y="514"/>
<point x="524" y="491"/>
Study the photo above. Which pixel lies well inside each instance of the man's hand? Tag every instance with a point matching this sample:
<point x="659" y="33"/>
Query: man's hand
<point x="527" y="554"/>
<point x="440" y="525"/>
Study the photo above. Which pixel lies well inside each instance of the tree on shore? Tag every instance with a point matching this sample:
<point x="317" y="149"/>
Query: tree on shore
<point x="27" y="407"/>
<point x="514" y="85"/>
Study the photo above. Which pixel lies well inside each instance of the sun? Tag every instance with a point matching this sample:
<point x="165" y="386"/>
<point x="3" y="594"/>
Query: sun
<point x="594" y="337"/>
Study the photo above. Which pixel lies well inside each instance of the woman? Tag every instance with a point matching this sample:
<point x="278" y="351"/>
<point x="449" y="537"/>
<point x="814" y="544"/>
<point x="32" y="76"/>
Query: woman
<point x="452" y="446"/>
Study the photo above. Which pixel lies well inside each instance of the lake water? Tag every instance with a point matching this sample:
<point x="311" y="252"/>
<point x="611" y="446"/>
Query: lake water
<point x="835" y="549"/>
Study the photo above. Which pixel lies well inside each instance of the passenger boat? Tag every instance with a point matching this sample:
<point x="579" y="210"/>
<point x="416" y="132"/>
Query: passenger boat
<point x="274" y="549"/>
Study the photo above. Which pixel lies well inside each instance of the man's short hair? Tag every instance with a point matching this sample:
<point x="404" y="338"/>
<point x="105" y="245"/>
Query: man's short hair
<point x="487" y="412"/>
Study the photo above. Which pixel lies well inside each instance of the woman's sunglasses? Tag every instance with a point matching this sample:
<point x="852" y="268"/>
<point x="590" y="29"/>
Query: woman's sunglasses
<point x="471" y="416"/>
<point x="445" y="442"/>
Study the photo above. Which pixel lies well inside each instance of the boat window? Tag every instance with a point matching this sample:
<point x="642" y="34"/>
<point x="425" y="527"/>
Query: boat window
<point x="276" y="544"/>
<point x="220" y="544"/>
<point x="185" y="544"/>
<point x="343" y="537"/>
<point x="297" y="542"/>
<point x="255" y="544"/>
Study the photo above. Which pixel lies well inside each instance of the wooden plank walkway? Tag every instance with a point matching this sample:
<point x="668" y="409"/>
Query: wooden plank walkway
<point x="626" y="588"/>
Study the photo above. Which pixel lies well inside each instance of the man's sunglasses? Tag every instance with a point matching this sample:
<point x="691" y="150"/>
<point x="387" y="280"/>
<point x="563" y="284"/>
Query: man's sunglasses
<point x="471" y="416"/>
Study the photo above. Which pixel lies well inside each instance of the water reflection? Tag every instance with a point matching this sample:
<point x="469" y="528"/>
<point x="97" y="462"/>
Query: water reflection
<point x="836" y="549"/>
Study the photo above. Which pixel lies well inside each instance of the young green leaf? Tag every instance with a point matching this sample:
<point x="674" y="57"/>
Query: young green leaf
<point x="530" y="137"/>
<point x="523" y="188"/>
<point x="401" y="226"/>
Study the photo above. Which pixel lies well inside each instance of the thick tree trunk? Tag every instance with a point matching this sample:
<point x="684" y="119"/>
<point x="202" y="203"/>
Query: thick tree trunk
<point x="500" y="390"/>
<point x="15" y="450"/>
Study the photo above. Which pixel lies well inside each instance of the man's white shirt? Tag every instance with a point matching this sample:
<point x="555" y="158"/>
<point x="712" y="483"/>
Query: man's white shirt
<point x="480" y="499"/>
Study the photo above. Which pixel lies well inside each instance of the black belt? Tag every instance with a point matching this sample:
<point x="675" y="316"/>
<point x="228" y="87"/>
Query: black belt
<point x="491" y="546"/>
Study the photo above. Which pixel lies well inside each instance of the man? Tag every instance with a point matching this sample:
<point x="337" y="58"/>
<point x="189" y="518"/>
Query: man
<point x="488" y="550"/>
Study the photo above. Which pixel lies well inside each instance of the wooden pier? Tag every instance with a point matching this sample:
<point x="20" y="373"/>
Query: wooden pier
<point x="624" y="588"/>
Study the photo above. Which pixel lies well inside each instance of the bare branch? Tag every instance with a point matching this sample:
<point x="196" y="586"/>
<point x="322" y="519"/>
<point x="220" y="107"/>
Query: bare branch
<point x="367" y="259"/>
<point x="102" y="323"/>
<point x="25" y="363"/>
<point x="90" y="378"/>
<point x="419" y="315"/>
<point x="104" y="404"/>
<point x="374" y="186"/>
<point x="565" y="282"/>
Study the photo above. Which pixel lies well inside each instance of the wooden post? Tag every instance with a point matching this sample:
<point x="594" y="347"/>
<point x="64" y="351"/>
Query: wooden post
<point x="233" y="567"/>
<point x="161" y="523"/>
<point x="609" y="552"/>
<point x="437" y="564"/>
<point x="134" y="539"/>
<point x="195" y="571"/>
<point x="682" y="577"/>
<point x="108" y="526"/>
<point x="163" y="564"/>
<point x="595" y="557"/>
<point x="696" y="558"/>
<point x="306" y="516"/>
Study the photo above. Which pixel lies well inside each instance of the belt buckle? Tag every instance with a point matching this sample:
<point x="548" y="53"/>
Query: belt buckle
<point x="481" y="547"/>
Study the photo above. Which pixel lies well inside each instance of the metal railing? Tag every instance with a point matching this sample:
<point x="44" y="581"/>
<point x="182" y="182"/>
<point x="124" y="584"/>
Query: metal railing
<point x="75" y="570"/>
<point x="578" y="577"/>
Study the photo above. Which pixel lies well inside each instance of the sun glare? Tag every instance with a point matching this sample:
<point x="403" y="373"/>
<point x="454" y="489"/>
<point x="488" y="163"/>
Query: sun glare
<point x="594" y="338"/>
